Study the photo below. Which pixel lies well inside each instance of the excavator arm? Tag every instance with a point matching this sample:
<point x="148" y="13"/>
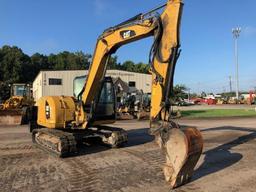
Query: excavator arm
<point x="182" y="147"/>
<point x="163" y="54"/>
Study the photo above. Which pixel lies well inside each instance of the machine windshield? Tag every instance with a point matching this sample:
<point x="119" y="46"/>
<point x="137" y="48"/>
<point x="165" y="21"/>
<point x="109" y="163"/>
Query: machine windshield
<point x="78" y="85"/>
<point x="19" y="90"/>
<point x="107" y="95"/>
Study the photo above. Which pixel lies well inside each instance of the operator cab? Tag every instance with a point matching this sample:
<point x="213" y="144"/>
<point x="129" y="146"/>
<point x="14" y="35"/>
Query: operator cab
<point x="19" y="89"/>
<point x="104" y="102"/>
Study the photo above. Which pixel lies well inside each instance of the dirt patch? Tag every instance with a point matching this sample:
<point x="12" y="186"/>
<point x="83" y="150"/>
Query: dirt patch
<point x="227" y="164"/>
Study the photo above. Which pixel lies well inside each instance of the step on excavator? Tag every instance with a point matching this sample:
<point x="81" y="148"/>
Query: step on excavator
<point x="61" y="122"/>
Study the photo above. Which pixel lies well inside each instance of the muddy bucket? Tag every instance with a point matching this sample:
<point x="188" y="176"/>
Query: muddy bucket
<point x="183" y="148"/>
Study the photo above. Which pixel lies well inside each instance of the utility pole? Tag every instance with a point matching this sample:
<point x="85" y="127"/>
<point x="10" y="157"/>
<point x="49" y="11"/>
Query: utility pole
<point x="236" y="33"/>
<point x="230" y="84"/>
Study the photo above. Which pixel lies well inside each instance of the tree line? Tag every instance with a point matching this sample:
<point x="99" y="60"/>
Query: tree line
<point x="18" y="67"/>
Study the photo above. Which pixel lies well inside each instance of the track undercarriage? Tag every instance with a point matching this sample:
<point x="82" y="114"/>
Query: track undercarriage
<point x="182" y="147"/>
<point x="63" y="143"/>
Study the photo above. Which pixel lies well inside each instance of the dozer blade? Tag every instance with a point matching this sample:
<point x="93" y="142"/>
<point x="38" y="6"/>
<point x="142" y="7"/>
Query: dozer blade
<point x="183" y="148"/>
<point x="11" y="117"/>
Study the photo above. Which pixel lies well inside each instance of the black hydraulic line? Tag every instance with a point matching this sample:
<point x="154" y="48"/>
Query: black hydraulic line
<point x="138" y="17"/>
<point x="156" y="54"/>
<point x="154" y="10"/>
<point x="171" y="68"/>
<point x="127" y="22"/>
<point x="155" y="47"/>
<point x="135" y="18"/>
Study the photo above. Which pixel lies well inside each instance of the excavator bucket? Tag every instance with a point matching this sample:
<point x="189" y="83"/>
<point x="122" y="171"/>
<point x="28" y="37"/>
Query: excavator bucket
<point x="183" y="148"/>
<point x="11" y="117"/>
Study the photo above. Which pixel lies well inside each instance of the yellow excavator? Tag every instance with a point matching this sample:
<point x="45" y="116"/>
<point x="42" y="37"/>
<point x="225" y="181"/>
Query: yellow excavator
<point x="61" y="122"/>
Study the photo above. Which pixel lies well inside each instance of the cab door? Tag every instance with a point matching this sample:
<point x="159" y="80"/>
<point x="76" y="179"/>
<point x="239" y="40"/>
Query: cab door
<point x="105" y="104"/>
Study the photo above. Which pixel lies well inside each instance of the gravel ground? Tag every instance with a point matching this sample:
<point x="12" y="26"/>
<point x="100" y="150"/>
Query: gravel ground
<point x="227" y="164"/>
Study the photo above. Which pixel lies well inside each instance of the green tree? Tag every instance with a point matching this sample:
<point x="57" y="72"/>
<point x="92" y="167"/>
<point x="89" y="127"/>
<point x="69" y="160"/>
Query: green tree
<point x="4" y="91"/>
<point x="112" y="62"/>
<point x="69" y="61"/>
<point x="178" y="93"/>
<point x="129" y="66"/>
<point x="1" y="65"/>
<point x="142" y="68"/>
<point x="28" y="72"/>
<point x="52" y="61"/>
<point x="17" y="67"/>
<point x="228" y="94"/>
<point x="61" y="61"/>
<point x="40" y="61"/>
<point x="83" y="60"/>
<point x="13" y="62"/>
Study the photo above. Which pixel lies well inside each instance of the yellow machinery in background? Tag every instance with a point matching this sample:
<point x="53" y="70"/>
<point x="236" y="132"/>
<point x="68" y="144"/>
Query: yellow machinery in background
<point x="16" y="109"/>
<point x="62" y="122"/>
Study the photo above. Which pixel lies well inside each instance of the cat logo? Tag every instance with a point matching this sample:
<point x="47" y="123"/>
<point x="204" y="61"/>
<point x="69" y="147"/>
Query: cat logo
<point x="127" y="34"/>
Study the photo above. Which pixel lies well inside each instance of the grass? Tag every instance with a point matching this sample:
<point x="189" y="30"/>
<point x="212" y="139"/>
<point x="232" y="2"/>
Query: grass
<point x="208" y="113"/>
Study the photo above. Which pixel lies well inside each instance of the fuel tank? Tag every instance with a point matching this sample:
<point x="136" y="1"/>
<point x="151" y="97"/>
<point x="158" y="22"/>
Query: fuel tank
<point x="55" y="111"/>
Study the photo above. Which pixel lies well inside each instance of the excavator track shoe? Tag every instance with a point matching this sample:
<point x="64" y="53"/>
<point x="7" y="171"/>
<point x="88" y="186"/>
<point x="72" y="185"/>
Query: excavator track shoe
<point x="183" y="148"/>
<point x="56" y="142"/>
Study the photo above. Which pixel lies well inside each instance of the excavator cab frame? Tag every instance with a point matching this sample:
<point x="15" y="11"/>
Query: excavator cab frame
<point x="104" y="104"/>
<point x="104" y="108"/>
